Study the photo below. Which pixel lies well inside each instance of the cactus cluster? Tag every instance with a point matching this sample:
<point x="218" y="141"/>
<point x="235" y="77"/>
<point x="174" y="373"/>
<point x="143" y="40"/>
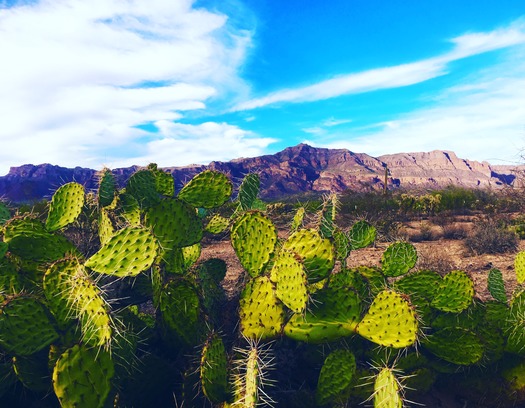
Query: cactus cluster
<point x="141" y="320"/>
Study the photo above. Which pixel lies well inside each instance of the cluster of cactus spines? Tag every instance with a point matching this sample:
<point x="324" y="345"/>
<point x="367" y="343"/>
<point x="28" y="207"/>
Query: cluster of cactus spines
<point x="327" y="216"/>
<point x="335" y="378"/>
<point x="455" y="293"/>
<point x="387" y="390"/>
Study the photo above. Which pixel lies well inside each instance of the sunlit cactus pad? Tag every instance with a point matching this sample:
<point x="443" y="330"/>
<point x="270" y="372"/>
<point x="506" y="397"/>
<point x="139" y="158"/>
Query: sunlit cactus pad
<point x="317" y="253"/>
<point x="387" y="390"/>
<point x="519" y="266"/>
<point x="127" y="253"/>
<point x="335" y="377"/>
<point x="66" y="206"/>
<point x="254" y="237"/>
<point x="290" y="281"/>
<point x="390" y="321"/>
<point x="455" y="293"/>
<point x="217" y="224"/>
<point x="208" y="189"/>
<point x="82" y="377"/>
<point x="213" y="369"/>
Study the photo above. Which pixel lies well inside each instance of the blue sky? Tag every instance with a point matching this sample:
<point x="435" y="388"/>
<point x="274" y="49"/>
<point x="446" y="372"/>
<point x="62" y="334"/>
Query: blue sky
<point x="121" y="82"/>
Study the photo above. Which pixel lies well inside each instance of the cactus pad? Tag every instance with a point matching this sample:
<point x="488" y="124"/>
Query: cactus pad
<point x="398" y="259"/>
<point x="316" y="253"/>
<point x="421" y="283"/>
<point x="261" y="313"/>
<point x="387" y="390"/>
<point x="191" y="254"/>
<point x="455" y="345"/>
<point x="129" y="209"/>
<point x="82" y="377"/>
<point x="208" y="189"/>
<point x="248" y="191"/>
<point x="5" y="214"/>
<point x="213" y="370"/>
<point x="217" y="224"/>
<point x="66" y="205"/>
<point x="390" y="321"/>
<point x="107" y="188"/>
<point x="298" y="219"/>
<point x="254" y="237"/>
<point x="496" y="285"/>
<point x="455" y="292"/>
<point x="336" y="377"/>
<point x="25" y="327"/>
<point x="519" y="266"/>
<point x="342" y="245"/>
<point x="174" y="223"/>
<point x="143" y="186"/>
<point x="164" y="182"/>
<point x="127" y="253"/>
<point x="362" y="234"/>
<point x="290" y="279"/>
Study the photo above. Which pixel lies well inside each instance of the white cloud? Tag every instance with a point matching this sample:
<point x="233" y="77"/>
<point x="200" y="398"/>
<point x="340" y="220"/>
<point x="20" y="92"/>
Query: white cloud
<point x="395" y="76"/>
<point x="77" y="77"/>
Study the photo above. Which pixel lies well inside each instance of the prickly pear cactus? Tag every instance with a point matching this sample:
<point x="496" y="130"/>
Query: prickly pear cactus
<point x="519" y="266"/>
<point x="82" y="377"/>
<point x="398" y="259"/>
<point x="66" y="206"/>
<point x="127" y="253"/>
<point x="298" y="219"/>
<point x="327" y="215"/>
<point x="390" y="321"/>
<point x="261" y="313"/>
<point x="213" y="369"/>
<point x="164" y="182"/>
<point x="361" y="235"/>
<point x="421" y="284"/>
<point x="455" y="345"/>
<point x="253" y="238"/>
<point x="217" y="224"/>
<point x="25" y="326"/>
<point x="342" y="245"/>
<point x="387" y="390"/>
<point x="248" y="191"/>
<point x="496" y="285"/>
<point x="290" y="281"/>
<point x="455" y="293"/>
<point x="107" y="188"/>
<point x="335" y="378"/>
<point x="207" y="189"/>
<point x="129" y="209"/>
<point x="5" y="214"/>
<point x="317" y="253"/>
<point x="143" y="186"/>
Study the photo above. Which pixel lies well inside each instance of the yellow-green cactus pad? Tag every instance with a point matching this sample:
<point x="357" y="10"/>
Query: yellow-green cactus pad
<point x="82" y="377"/>
<point x="25" y="326"/>
<point x="217" y="224"/>
<point x="66" y="205"/>
<point x="335" y="378"/>
<point x="128" y="208"/>
<point x="191" y="254"/>
<point x="519" y="266"/>
<point x="253" y="238"/>
<point x="213" y="369"/>
<point x="105" y="226"/>
<point x="261" y="313"/>
<point x="317" y="253"/>
<point x="387" y="390"/>
<point x="421" y="283"/>
<point x="334" y="314"/>
<point x="341" y="244"/>
<point x="455" y="293"/>
<point x="290" y="281"/>
<point x="390" y="321"/>
<point x="127" y="253"/>
<point x="164" y="182"/>
<point x="455" y="345"/>
<point x="208" y="189"/>
<point x="398" y="259"/>
<point x="298" y="219"/>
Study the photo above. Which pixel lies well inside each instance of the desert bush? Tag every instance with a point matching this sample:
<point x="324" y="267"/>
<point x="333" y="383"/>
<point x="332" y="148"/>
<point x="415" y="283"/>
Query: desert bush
<point x="454" y="231"/>
<point x="437" y="261"/>
<point x="425" y="232"/>
<point x="490" y="237"/>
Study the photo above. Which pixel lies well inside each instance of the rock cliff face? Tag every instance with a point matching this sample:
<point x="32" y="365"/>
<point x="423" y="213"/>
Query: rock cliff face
<point x="294" y="170"/>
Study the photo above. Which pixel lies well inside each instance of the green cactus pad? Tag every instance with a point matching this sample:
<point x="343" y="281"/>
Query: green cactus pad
<point x="174" y="223"/>
<point x="455" y="292"/>
<point x="129" y="209"/>
<point x="191" y="254"/>
<point x="5" y="214"/>
<point x="208" y="189"/>
<point x="513" y="323"/>
<point x="361" y="235"/>
<point x="290" y="280"/>
<point x="181" y="312"/>
<point x="455" y="345"/>
<point x="341" y="244"/>
<point x="327" y="215"/>
<point x="390" y="321"/>
<point x="3" y="249"/>
<point x="105" y="227"/>
<point x="217" y="224"/>
<point x="421" y="283"/>
<point x="28" y="239"/>
<point x="25" y="326"/>
<point x="519" y="266"/>
<point x="10" y="280"/>
<point x="298" y="219"/>
<point x="33" y="372"/>
<point x="261" y="313"/>
<point x="374" y="277"/>
<point x="143" y="186"/>
<point x="82" y="377"/>
<point x="164" y="182"/>
<point x="127" y="253"/>
<point x="398" y="259"/>
<point x="213" y="370"/>
<point x="496" y="285"/>
<point x="66" y="205"/>
<point x="253" y="237"/>
<point x="248" y="191"/>
<point x="334" y="314"/>
<point x="317" y="254"/>
<point x="72" y="295"/>
<point x="387" y="390"/>
<point x="107" y="188"/>
<point x="335" y="378"/>
<point x="249" y="378"/>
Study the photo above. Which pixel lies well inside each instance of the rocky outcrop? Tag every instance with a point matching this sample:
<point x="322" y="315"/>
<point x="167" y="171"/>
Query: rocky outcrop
<point x="295" y="170"/>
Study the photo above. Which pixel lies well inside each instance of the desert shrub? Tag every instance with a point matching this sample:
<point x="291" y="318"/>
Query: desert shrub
<point x="490" y="237"/>
<point x="457" y="199"/>
<point x="437" y="261"/>
<point x="424" y="233"/>
<point x="454" y="231"/>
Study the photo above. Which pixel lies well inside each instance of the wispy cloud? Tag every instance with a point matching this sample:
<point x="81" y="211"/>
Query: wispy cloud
<point x="77" y="77"/>
<point x="395" y="76"/>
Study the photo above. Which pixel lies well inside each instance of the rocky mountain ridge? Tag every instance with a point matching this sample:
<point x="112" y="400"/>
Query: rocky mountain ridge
<point x="295" y="170"/>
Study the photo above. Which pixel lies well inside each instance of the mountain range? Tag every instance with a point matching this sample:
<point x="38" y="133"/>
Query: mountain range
<point x="295" y="170"/>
